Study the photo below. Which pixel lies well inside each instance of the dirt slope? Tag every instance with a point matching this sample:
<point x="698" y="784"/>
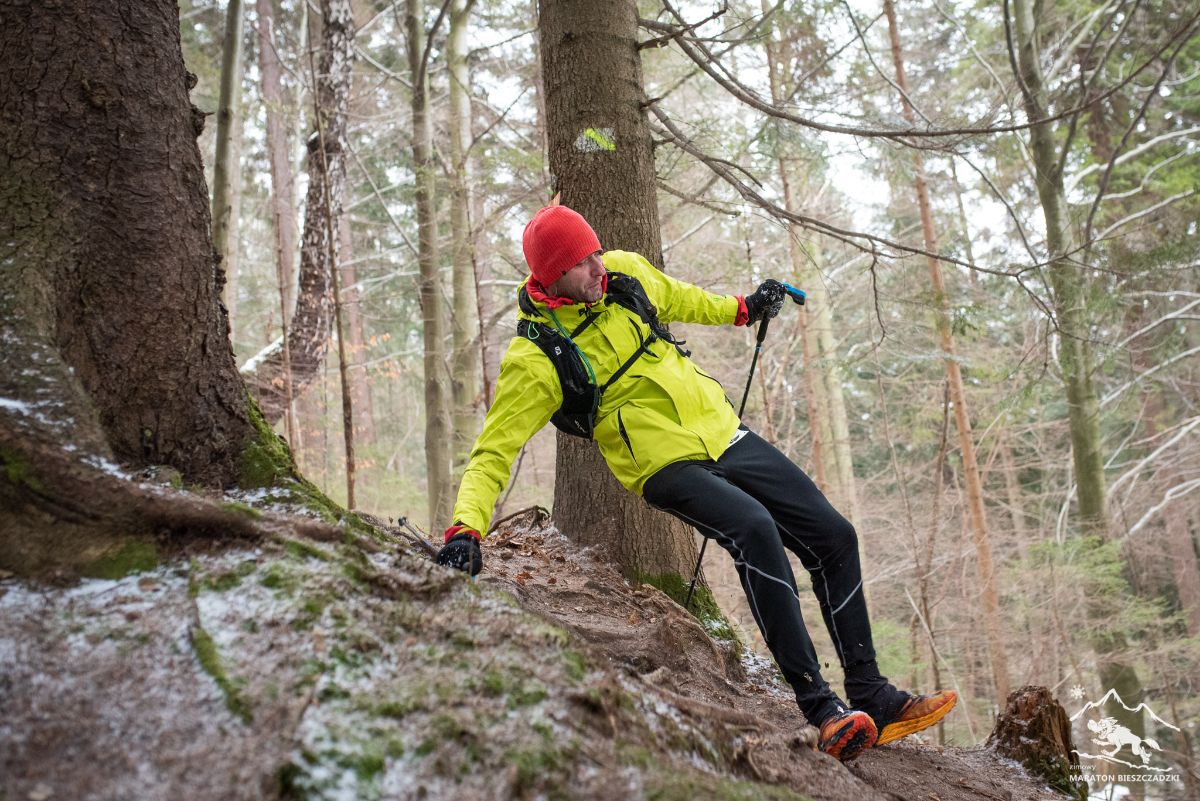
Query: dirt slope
<point x="362" y="671"/>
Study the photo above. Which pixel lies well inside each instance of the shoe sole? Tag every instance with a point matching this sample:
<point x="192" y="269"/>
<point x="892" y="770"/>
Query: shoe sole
<point x="903" y="728"/>
<point x="854" y="737"/>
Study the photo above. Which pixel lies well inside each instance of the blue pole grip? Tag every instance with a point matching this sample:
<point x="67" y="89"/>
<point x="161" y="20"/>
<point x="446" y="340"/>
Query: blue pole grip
<point x="795" y="294"/>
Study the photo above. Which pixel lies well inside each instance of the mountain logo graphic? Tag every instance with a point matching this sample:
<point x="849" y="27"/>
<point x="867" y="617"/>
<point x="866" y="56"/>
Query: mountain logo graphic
<point x="1112" y="737"/>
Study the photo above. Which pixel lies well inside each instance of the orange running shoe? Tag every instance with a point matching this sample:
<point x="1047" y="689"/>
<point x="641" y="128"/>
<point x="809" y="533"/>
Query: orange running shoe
<point x="918" y="713"/>
<point x="846" y="735"/>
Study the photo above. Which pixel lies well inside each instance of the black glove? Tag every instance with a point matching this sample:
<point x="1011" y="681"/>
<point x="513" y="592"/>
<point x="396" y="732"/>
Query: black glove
<point x="766" y="301"/>
<point x="461" y="552"/>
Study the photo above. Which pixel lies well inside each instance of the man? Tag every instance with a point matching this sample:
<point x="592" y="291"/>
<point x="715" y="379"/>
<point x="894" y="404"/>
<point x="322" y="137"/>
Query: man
<point x="592" y="353"/>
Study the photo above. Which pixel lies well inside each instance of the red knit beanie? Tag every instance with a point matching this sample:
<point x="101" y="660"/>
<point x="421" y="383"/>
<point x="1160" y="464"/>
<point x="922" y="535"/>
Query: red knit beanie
<point x="555" y="240"/>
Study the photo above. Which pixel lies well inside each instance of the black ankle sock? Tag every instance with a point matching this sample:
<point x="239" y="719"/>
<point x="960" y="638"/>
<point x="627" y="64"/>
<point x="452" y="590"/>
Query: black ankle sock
<point x="871" y="692"/>
<point x="819" y="711"/>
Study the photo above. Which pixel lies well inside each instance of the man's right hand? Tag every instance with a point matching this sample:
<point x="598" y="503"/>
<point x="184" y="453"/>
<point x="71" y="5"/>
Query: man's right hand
<point x="766" y="301"/>
<point x="461" y="550"/>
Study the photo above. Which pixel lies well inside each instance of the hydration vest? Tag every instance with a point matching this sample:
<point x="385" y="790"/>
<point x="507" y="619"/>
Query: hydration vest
<point x="581" y="395"/>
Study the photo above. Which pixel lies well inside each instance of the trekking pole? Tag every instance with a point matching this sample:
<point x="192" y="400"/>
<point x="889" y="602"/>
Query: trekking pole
<point x="798" y="296"/>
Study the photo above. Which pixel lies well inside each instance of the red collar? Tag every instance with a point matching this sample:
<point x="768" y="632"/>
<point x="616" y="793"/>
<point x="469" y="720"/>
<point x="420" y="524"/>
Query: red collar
<point x="539" y="295"/>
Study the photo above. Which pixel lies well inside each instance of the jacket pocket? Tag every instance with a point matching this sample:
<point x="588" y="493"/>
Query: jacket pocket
<point x="625" y="438"/>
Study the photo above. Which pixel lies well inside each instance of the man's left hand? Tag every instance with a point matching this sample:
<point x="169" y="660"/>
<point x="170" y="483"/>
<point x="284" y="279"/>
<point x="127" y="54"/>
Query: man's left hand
<point x="766" y="301"/>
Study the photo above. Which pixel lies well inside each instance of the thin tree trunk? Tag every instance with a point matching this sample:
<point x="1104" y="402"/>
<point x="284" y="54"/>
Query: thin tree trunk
<point x="1069" y="294"/>
<point x="438" y="431"/>
<point x="356" y="347"/>
<point x="983" y="552"/>
<point x="465" y="361"/>
<point x="592" y="76"/>
<point x="227" y="164"/>
<point x="1067" y="286"/>
<point x="814" y="388"/>
<point x="308" y="334"/>
<point x="968" y="248"/>
<point x="283" y="193"/>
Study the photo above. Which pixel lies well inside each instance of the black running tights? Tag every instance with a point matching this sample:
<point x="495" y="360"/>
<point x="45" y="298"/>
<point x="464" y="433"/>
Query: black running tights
<point x="755" y="502"/>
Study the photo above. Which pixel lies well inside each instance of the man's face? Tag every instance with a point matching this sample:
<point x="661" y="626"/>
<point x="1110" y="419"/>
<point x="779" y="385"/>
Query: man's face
<point x="583" y="283"/>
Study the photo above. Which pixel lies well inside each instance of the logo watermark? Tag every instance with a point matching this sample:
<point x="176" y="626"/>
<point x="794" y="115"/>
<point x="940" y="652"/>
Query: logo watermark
<point x="1121" y="756"/>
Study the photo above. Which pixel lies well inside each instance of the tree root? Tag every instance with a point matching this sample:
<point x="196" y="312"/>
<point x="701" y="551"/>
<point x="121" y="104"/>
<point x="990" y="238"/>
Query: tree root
<point x="63" y="509"/>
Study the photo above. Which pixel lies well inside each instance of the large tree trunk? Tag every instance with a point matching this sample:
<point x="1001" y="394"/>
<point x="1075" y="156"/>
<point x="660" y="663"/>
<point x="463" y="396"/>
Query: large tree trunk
<point x="308" y="334"/>
<point x="593" y="80"/>
<point x="116" y="345"/>
<point x="983" y="550"/>
<point x="438" y="430"/>
<point x="227" y="172"/>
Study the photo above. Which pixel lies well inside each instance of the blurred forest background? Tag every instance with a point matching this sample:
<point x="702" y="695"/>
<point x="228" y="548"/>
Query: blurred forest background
<point x="1028" y="507"/>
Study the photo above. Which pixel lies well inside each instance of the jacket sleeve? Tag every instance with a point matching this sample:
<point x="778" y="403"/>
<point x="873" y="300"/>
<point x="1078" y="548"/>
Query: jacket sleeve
<point x="527" y="394"/>
<point x="675" y="300"/>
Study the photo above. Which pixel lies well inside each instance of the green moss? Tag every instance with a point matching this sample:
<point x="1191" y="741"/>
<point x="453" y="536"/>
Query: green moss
<point x="311" y="609"/>
<point x="210" y="661"/>
<point x="576" y="667"/>
<point x="493" y="683"/>
<point x="277" y="577"/>
<point x="527" y="693"/>
<point x="242" y="509"/>
<point x="266" y="461"/>
<point x="225" y="580"/>
<point x="543" y="768"/>
<point x="703" y="605"/>
<point x="17" y="470"/>
<point x="551" y="635"/>
<point x="132" y="556"/>
<point x="397" y="707"/>
<point x="304" y="550"/>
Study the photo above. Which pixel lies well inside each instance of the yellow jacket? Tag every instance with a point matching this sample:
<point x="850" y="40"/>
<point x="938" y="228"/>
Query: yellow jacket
<point x="665" y="409"/>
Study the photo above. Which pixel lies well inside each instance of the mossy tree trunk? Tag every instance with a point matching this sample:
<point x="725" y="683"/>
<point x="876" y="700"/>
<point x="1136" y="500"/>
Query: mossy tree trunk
<point x="593" y="81"/>
<point x="227" y="166"/>
<point x="116" y="345"/>
<point x="1069" y="292"/>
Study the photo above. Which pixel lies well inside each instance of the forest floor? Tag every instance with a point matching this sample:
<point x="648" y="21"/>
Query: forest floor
<point x="360" y="670"/>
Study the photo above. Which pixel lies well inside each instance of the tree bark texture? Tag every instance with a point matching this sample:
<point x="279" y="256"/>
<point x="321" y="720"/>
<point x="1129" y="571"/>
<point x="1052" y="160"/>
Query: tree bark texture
<point x="227" y="171"/>
<point x="983" y="550"/>
<point x="1068" y="290"/>
<point x="308" y="334"/>
<point x="283" y="192"/>
<point x="602" y="163"/>
<point x="438" y="431"/>
<point x="1067" y="284"/>
<point x="1034" y="730"/>
<point x="465" y="361"/>
<point x="360" y="387"/>
<point x="115" y="344"/>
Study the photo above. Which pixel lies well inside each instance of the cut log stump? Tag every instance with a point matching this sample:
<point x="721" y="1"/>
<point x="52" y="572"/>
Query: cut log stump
<point x="1034" y="730"/>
